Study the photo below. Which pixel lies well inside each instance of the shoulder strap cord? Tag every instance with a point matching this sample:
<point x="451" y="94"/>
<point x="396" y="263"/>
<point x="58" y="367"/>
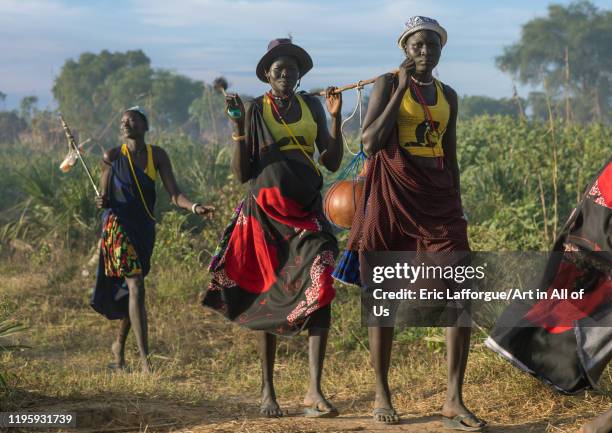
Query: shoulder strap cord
<point x="144" y="203"/>
<point x="291" y="134"/>
<point x="426" y="111"/>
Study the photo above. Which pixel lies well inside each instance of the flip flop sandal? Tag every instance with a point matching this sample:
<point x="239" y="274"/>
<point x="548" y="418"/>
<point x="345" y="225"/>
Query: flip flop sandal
<point x="279" y="414"/>
<point x="314" y="412"/>
<point x="458" y="423"/>
<point x="386" y="412"/>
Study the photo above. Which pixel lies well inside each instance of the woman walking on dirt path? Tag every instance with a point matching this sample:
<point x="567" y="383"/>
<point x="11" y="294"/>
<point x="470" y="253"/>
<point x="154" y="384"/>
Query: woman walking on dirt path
<point x="127" y="192"/>
<point x="272" y="270"/>
<point x="411" y="199"/>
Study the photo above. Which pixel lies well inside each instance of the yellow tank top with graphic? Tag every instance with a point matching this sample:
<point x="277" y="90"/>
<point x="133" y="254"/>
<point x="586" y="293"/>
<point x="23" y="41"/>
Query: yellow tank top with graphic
<point x="150" y="168"/>
<point x="414" y="134"/>
<point x="304" y="130"/>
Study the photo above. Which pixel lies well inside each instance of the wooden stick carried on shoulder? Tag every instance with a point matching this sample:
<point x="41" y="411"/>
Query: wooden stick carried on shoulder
<point x="360" y="83"/>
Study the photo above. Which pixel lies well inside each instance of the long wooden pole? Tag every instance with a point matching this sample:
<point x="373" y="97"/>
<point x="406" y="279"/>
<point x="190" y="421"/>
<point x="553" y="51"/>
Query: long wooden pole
<point x="360" y="83"/>
<point x="75" y="148"/>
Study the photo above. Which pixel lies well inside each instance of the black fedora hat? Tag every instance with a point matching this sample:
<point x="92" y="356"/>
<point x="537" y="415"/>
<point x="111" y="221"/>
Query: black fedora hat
<point x="283" y="47"/>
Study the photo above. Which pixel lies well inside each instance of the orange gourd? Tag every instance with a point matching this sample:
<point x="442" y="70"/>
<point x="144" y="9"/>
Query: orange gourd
<point x="341" y="200"/>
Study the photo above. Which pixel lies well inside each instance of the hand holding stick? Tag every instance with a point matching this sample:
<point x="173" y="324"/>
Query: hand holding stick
<point x="232" y="102"/>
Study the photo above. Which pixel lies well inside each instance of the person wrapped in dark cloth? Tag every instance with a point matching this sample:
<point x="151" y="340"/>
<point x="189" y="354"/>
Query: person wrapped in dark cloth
<point x="272" y="270"/>
<point x="127" y="193"/>
<point x="411" y="199"/>
<point x="566" y="342"/>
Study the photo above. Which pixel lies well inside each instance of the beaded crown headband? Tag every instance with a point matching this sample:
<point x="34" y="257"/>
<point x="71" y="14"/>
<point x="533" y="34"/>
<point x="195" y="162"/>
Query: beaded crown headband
<point x="417" y="23"/>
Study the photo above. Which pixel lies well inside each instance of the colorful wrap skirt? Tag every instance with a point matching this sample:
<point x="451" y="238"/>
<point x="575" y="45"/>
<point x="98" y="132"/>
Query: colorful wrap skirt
<point x="272" y="270"/>
<point x="127" y="238"/>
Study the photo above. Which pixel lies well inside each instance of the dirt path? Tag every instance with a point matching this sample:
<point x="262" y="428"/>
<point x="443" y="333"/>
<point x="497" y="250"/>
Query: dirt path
<point x="207" y="375"/>
<point x="146" y="416"/>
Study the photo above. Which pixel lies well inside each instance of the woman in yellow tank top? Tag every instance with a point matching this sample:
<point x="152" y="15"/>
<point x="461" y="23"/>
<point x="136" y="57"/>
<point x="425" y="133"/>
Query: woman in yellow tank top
<point x="272" y="273"/>
<point x="413" y="200"/>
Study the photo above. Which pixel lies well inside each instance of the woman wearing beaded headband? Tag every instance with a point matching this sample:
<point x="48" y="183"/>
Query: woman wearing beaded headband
<point x="272" y="271"/>
<point x="411" y="199"/>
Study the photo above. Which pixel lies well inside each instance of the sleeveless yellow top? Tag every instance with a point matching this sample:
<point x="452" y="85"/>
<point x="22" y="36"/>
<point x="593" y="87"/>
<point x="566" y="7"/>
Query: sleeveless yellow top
<point x="414" y="135"/>
<point x="304" y="130"/>
<point x="150" y="168"/>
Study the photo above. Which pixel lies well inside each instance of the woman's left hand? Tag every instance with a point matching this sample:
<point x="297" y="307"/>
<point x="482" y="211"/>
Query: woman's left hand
<point x="333" y="101"/>
<point x="205" y="211"/>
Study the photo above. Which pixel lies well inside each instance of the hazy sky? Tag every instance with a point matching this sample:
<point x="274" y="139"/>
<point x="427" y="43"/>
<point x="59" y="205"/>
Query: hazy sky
<point x="348" y="40"/>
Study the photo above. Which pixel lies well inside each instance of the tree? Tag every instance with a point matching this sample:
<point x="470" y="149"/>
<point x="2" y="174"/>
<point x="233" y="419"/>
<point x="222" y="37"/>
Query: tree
<point x="208" y="112"/>
<point x="542" y="106"/>
<point x="27" y="107"/>
<point x="171" y="97"/>
<point x="93" y="89"/>
<point x="568" y="52"/>
<point x="472" y="106"/>
<point x="11" y="125"/>
<point x="2" y="98"/>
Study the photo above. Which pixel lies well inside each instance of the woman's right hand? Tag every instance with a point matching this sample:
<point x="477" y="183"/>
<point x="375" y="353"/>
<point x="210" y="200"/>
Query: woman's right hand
<point x="101" y="201"/>
<point x="234" y="103"/>
<point x="406" y="69"/>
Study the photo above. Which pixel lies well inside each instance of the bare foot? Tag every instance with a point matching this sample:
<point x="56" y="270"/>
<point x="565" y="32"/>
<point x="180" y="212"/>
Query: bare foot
<point x="118" y="357"/>
<point x="451" y="409"/>
<point x="146" y="366"/>
<point x="269" y="406"/>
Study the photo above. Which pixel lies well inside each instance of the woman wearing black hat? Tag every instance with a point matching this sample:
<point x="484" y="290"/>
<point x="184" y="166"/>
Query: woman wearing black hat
<point x="272" y="271"/>
<point x="413" y="201"/>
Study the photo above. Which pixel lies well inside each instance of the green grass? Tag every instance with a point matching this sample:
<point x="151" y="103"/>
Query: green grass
<point x="204" y="363"/>
<point x="206" y="369"/>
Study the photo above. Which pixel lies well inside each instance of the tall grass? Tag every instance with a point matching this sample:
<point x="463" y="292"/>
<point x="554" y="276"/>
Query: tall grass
<point x="516" y="187"/>
<point x="510" y="192"/>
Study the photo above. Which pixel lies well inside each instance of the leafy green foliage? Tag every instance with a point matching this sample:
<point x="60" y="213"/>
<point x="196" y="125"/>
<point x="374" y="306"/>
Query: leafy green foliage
<point x="27" y="107"/>
<point x="573" y="40"/>
<point x="472" y="106"/>
<point x="520" y="180"/>
<point x="11" y="125"/>
<point x="89" y="91"/>
<point x="96" y="88"/>
<point x="172" y="94"/>
<point x="208" y="113"/>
